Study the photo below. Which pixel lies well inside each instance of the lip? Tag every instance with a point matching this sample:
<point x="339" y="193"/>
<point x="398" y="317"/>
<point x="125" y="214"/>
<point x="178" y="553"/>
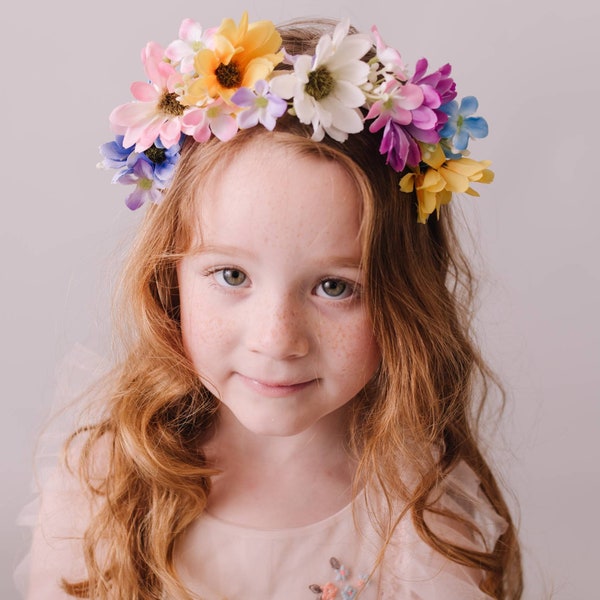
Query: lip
<point x="275" y="389"/>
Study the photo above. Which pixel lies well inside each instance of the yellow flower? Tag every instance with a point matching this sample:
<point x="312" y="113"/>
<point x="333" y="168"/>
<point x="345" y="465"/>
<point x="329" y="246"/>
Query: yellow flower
<point x="443" y="177"/>
<point x="240" y="55"/>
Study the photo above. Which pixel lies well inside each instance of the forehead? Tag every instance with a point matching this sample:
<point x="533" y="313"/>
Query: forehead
<point x="275" y="191"/>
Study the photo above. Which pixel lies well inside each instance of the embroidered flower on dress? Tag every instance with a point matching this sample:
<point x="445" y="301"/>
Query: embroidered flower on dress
<point x="346" y="591"/>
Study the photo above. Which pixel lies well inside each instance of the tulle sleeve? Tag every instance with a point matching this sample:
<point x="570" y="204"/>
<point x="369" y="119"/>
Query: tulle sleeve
<point x="56" y="550"/>
<point x="60" y="513"/>
<point x="415" y="571"/>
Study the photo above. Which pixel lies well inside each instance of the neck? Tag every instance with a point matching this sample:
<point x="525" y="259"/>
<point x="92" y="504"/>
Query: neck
<point x="279" y="482"/>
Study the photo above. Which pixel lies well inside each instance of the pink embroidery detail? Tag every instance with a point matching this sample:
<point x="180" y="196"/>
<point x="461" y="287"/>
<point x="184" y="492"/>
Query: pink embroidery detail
<point x="330" y="591"/>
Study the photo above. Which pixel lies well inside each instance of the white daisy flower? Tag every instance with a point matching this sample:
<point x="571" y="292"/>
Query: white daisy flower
<point x="326" y="88"/>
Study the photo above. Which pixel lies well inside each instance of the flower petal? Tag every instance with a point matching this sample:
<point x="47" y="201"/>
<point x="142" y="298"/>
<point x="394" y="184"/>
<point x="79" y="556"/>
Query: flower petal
<point x="468" y="106"/>
<point x="476" y="126"/>
<point x="144" y="92"/>
<point x="224" y="127"/>
<point x="285" y="86"/>
<point x="244" y="97"/>
<point x="348" y="94"/>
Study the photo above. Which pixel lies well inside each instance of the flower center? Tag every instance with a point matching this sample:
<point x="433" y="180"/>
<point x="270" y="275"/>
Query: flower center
<point x="145" y="184"/>
<point x="320" y="83"/>
<point x="170" y="105"/>
<point x="228" y="76"/>
<point x="156" y="155"/>
<point x="261" y="102"/>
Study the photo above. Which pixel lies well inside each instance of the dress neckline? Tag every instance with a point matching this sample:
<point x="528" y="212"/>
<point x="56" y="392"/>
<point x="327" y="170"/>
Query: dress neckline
<point x="227" y="526"/>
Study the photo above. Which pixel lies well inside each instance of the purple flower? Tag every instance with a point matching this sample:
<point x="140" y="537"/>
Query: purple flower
<point x="439" y="81"/>
<point x="400" y="147"/>
<point x="262" y="106"/>
<point x="438" y="88"/>
<point x="150" y="171"/>
<point x="142" y="175"/>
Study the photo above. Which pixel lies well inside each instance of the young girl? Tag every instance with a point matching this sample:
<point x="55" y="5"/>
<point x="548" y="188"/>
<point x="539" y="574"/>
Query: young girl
<point x="293" y="414"/>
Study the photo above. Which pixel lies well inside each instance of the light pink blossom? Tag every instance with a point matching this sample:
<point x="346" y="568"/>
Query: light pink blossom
<point x="389" y="58"/>
<point x="191" y="40"/>
<point x="397" y="102"/>
<point x="215" y="118"/>
<point x="156" y="113"/>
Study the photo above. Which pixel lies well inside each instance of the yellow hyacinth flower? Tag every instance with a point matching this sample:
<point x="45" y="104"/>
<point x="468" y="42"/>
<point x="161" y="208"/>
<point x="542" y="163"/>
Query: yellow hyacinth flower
<point x="240" y="56"/>
<point x="434" y="186"/>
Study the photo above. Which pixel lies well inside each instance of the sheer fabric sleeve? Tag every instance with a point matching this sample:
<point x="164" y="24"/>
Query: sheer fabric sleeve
<point x="412" y="570"/>
<point x="57" y="549"/>
<point x="60" y="514"/>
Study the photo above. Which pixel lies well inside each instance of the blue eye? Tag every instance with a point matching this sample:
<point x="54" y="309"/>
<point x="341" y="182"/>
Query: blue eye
<point x="334" y="288"/>
<point x="230" y="277"/>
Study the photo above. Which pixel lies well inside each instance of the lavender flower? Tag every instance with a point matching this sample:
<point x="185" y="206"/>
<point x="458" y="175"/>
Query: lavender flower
<point x="262" y="106"/>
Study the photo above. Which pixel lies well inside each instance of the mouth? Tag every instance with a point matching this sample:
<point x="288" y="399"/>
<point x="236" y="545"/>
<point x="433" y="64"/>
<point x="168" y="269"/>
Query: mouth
<point x="276" y="389"/>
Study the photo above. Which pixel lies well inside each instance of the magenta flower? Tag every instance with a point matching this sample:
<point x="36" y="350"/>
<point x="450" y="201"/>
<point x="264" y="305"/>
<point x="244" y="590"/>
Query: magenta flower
<point x="157" y="112"/>
<point x="395" y="111"/>
<point x="399" y="146"/>
<point x="438" y="89"/>
<point x="397" y="103"/>
<point x="261" y="105"/>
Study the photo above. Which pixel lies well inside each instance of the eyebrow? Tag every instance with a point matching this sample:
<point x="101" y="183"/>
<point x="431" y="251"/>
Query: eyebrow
<point x="201" y="249"/>
<point x="227" y="250"/>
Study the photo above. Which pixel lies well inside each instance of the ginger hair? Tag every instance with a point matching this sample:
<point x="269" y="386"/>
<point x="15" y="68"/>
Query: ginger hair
<point x="418" y="414"/>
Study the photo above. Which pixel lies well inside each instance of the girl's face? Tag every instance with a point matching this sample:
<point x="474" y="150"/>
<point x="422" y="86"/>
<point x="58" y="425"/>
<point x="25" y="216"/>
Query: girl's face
<point x="271" y="309"/>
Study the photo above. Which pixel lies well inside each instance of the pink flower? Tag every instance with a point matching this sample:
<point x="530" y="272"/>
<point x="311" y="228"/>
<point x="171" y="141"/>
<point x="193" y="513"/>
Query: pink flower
<point x="397" y="103"/>
<point x="191" y="40"/>
<point x="389" y="57"/>
<point x="157" y="112"/>
<point x="215" y="118"/>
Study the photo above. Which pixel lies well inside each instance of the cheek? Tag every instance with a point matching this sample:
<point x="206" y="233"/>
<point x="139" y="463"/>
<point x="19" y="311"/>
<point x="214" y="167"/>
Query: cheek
<point x="354" y="349"/>
<point x="203" y="330"/>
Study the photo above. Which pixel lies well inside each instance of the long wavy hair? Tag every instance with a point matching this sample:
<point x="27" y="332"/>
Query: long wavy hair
<point x="420" y="410"/>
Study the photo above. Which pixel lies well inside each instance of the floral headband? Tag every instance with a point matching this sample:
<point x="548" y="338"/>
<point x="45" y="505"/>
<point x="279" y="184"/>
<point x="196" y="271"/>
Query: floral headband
<point x="216" y="81"/>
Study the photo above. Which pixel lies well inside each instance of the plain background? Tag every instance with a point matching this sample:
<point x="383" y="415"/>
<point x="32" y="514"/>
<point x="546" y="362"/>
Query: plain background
<point x="533" y="64"/>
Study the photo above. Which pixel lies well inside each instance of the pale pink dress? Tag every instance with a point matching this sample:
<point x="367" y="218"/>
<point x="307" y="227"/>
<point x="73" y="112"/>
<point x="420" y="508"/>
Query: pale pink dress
<point x="224" y="561"/>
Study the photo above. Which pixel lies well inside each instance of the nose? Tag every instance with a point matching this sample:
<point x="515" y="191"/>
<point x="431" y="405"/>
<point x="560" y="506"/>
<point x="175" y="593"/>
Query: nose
<point x="279" y="328"/>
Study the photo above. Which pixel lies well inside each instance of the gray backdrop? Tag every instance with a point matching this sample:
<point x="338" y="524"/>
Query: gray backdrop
<point x="534" y="67"/>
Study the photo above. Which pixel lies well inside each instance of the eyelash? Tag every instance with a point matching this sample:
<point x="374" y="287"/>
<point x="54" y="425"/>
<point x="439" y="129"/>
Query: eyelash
<point x="351" y="290"/>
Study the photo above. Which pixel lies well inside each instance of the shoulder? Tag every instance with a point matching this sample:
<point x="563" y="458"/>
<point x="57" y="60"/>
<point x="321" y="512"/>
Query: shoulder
<point x="413" y="569"/>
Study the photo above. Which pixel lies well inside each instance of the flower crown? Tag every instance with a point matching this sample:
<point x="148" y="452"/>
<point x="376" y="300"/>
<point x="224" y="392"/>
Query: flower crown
<point x="216" y="81"/>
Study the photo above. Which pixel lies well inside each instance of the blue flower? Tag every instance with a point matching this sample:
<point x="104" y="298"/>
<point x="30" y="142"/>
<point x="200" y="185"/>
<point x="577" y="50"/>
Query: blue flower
<point x="461" y="126"/>
<point x="150" y="171"/>
<point x="349" y="592"/>
<point x="164" y="160"/>
<point x="114" y="154"/>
